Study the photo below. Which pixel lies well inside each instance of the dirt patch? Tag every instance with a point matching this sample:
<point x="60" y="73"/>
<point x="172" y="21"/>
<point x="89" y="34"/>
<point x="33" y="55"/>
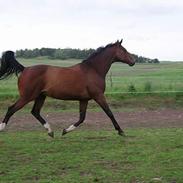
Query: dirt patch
<point x="98" y="120"/>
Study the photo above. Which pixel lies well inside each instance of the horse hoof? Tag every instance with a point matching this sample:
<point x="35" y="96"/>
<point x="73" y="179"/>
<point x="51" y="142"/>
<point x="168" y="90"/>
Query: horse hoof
<point x="121" y="133"/>
<point x="51" y="134"/>
<point x="64" y="132"/>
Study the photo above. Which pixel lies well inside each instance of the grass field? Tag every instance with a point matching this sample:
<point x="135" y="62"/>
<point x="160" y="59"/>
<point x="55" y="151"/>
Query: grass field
<point x="145" y="155"/>
<point x="166" y="76"/>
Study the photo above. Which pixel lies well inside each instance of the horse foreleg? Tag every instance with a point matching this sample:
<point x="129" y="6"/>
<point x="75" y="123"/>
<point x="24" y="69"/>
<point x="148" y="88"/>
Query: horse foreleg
<point x="82" y="115"/>
<point x="39" y="101"/>
<point x="11" y="110"/>
<point x="103" y="104"/>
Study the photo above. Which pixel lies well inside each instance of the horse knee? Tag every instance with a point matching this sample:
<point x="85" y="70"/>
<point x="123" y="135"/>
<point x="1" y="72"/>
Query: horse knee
<point x="10" y="108"/>
<point x="35" y="113"/>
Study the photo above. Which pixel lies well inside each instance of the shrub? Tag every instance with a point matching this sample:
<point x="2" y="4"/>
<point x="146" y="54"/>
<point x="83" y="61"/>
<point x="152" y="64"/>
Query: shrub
<point x="148" y="86"/>
<point x="131" y="88"/>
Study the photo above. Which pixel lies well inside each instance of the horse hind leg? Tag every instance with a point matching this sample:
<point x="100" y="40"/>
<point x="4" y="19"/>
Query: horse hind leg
<point x="82" y="115"/>
<point x="11" y="110"/>
<point x="39" y="101"/>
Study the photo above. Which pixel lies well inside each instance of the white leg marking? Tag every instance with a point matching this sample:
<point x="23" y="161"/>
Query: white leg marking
<point x="2" y="126"/>
<point x="47" y="126"/>
<point x="71" y="128"/>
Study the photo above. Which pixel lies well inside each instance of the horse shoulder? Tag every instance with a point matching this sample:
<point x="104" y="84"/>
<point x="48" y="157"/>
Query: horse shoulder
<point x="95" y="83"/>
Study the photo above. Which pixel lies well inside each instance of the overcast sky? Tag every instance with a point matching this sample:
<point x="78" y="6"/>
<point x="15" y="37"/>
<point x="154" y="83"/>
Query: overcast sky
<point x="151" y="28"/>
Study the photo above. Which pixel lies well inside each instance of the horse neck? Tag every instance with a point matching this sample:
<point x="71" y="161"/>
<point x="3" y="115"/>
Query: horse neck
<point x="102" y="62"/>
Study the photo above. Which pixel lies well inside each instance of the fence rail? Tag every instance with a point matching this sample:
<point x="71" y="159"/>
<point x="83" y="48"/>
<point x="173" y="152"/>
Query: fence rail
<point x="148" y="92"/>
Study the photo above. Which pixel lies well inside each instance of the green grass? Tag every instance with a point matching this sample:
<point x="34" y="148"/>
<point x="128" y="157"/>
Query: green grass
<point x="163" y="77"/>
<point x="145" y="155"/>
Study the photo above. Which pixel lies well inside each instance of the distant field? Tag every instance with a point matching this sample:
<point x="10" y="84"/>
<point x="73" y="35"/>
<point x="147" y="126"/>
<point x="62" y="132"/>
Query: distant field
<point x="123" y="82"/>
<point x="166" y="76"/>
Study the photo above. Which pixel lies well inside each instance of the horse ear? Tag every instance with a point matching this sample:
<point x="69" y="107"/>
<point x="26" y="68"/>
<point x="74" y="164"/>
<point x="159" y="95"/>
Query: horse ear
<point x="121" y="41"/>
<point x="118" y="42"/>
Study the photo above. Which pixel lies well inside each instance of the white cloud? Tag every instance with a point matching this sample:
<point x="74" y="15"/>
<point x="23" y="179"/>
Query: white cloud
<point x="151" y="28"/>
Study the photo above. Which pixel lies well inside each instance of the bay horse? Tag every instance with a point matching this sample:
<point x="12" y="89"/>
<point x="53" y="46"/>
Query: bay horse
<point x="82" y="82"/>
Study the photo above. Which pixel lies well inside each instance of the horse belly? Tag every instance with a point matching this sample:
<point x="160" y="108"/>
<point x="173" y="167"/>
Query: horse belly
<point x="68" y="90"/>
<point x="67" y="94"/>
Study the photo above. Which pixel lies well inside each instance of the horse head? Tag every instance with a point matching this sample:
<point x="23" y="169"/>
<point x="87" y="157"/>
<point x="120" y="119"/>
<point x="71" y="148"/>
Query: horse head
<point x="122" y="55"/>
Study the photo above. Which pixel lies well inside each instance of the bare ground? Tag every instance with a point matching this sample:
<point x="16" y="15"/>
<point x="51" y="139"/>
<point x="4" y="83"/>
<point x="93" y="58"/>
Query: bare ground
<point x="98" y="120"/>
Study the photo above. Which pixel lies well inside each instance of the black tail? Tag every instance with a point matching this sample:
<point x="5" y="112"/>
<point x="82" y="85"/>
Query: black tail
<point x="9" y="65"/>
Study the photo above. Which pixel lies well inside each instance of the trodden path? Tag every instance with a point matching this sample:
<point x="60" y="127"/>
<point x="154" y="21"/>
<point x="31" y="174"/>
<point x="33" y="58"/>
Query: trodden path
<point x="98" y="120"/>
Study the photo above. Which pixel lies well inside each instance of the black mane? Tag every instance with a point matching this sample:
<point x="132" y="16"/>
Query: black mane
<point x="97" y="52"/>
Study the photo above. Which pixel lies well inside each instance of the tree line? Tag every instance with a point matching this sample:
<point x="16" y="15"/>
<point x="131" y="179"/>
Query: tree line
<point x="69" y="53"/>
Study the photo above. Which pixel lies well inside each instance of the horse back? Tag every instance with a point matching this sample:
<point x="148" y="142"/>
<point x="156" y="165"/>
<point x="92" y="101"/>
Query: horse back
<point x="66" y="83"/>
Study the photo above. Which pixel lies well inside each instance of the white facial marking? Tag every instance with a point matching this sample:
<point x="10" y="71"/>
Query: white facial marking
<point x="72" y="127"/>
<point x="47" y="126"/>
<point x="2" y="126"/>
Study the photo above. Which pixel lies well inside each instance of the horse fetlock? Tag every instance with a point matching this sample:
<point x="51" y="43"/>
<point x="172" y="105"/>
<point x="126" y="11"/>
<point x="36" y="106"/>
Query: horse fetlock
<point x="121" y="133"/>
<point x="64" y="132"/>
<point x="71" y="128"/>
<point x="2" y="126"/>
<point x="47" y="126"/>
